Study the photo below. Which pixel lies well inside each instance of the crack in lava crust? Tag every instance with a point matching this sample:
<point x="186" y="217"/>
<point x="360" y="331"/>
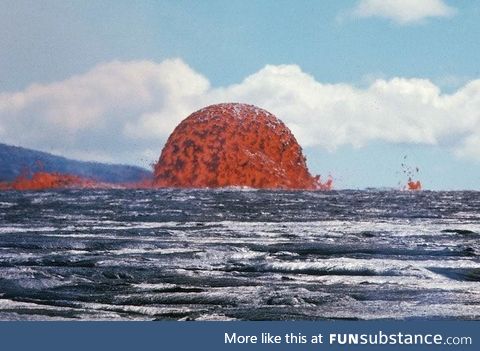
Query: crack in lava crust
<point x="233" y="144"/>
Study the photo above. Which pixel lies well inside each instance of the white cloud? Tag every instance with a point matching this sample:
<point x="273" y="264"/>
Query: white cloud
<point x="124" y="111"/>
<point x="403" y="11"/>
<point x="398" y="110"/>
<point x="94" y="113"/>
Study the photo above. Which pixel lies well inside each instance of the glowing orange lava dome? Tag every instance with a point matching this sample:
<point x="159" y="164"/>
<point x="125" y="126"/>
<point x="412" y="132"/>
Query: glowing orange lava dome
<point x="234" y="144"/>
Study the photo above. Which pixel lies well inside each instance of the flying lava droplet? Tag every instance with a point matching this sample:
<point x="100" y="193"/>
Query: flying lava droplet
<point x="232" y="144"/>
<point x="411" y="173"/>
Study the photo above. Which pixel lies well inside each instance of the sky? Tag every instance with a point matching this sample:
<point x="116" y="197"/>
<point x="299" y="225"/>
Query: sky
<point x="361" y="83"/>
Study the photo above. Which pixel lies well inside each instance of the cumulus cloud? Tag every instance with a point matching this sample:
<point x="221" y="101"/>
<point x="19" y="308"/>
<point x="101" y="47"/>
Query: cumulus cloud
<point x="124" y="111"/>
<point x="403" y="11"/>
<point x="398" y="110"/>
<point x="99" y="114"/>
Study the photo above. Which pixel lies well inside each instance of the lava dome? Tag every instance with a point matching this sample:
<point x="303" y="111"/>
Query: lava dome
<point x="233" y="145"/>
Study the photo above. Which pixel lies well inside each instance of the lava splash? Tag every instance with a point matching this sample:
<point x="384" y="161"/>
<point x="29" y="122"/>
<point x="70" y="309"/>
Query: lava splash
<point x="224" y="145"/>
<point x="411" y="172"/>
<point x="49" y="180"/>
<point x="414" y="185"/>
<point x="234" y="145"/>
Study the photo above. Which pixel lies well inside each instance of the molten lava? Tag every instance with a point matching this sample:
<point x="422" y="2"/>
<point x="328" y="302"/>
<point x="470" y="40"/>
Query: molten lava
<point x="411" y="185"/>
<point x="234" y="145"/>
<point x="221" y="145"/>
<point x="46" y="180"/>
<point x="411" y="172"/>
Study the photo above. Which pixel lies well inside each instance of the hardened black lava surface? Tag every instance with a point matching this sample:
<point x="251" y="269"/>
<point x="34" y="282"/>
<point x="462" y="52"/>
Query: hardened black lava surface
<point x="239" y="254"/>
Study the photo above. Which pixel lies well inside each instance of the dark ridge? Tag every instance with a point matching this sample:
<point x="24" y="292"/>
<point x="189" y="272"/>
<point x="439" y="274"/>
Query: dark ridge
<point x="459" y="231"/>
<point x="308" y="271"/>
<point x="460" y="274"/>
<point x="14" y="160"/>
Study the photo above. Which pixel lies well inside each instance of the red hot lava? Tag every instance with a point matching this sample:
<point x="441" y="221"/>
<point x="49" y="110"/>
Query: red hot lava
<point x="46" y="180"/>
<point x="234" y="144"/>
<point x="411" y="173"/>
<point x="41" y="179"/>
<point x="221" y="145"/>
<point x="411" y="185"/>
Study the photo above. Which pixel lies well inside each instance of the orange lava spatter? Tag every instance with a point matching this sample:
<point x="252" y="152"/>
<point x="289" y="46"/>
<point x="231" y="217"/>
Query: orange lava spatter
<point x="234" y="144"/>
<point x="47" y="180"/>
<point x="414" y="185"/>
<point x="411" y="172"/>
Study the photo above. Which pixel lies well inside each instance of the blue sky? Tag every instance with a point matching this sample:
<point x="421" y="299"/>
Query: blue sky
<point x="363" y="51"/>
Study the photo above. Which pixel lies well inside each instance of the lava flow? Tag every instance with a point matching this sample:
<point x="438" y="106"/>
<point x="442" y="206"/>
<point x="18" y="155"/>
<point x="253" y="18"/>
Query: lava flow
<point x="47" y="180"/>
<point x="234" y="145"/>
